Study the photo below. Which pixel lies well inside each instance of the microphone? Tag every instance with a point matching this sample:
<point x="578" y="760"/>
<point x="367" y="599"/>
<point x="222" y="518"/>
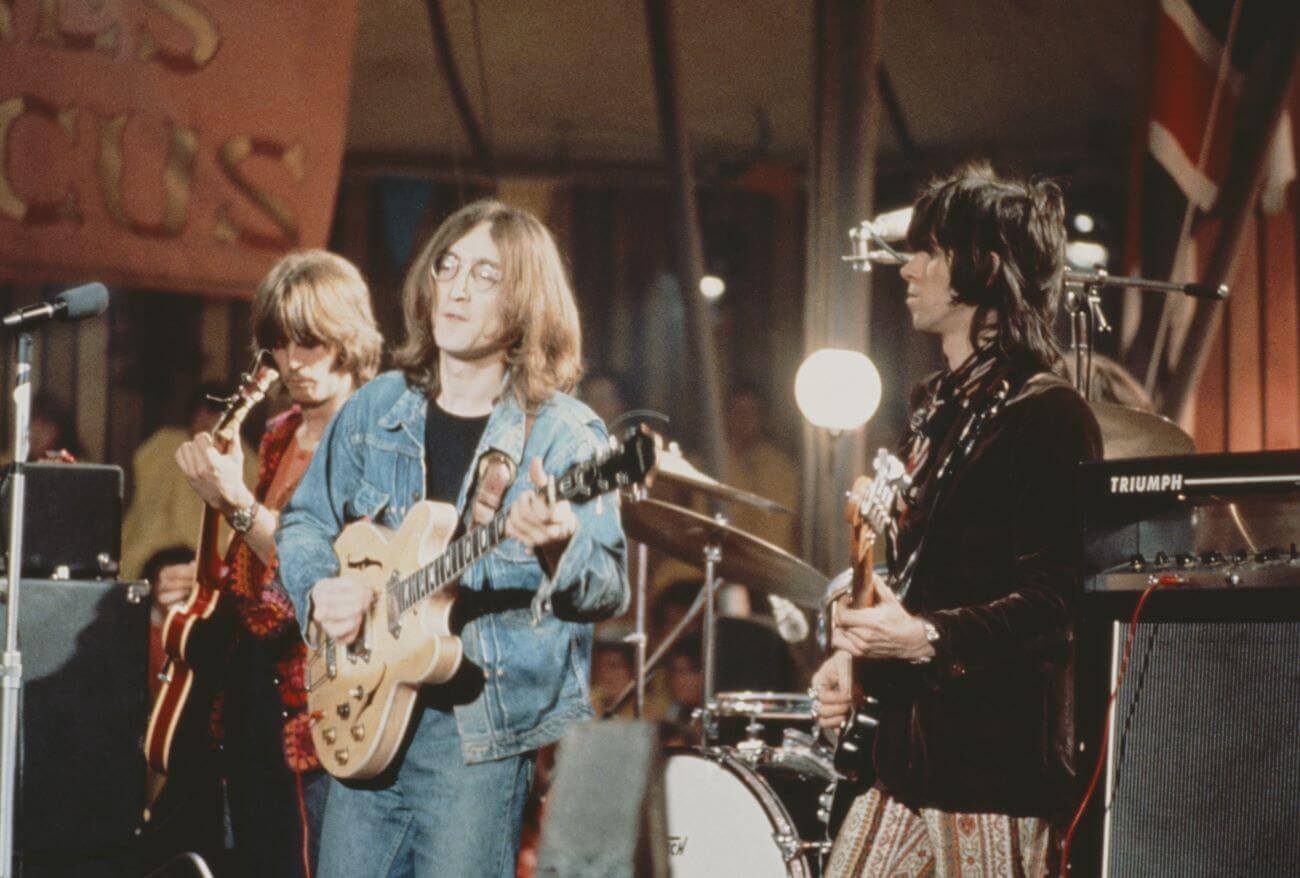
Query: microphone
<point x="892" y="226"/>
<point x="791" y="623"/>
<point x="886" y="227"/>
<point x="78" y="303"/>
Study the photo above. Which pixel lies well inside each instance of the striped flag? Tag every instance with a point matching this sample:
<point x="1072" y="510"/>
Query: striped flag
<point x="1202" y="51"/>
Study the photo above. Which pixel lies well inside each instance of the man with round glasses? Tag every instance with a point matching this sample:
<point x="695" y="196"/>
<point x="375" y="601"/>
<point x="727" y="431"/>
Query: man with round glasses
<point x="492" y="347"/>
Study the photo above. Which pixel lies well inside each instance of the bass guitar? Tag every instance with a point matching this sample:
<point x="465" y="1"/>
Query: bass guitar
<point x="191" y="633"/>
<point x="360" y="697"/>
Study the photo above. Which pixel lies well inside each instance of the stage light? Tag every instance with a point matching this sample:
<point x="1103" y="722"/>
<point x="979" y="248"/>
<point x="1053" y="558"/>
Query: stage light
<point x="712" y="287"/>
<point x="1086" y="254"/>
<point x="1084" y="223"/>
<point x="837" y="390"/>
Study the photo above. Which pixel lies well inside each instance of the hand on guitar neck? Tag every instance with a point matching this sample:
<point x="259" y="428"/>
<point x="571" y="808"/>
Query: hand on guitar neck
<point x="536" y="519"/>
<point x="883" y="630"/>
<point x="540" y="522"/>
<point x="215" y="473"/>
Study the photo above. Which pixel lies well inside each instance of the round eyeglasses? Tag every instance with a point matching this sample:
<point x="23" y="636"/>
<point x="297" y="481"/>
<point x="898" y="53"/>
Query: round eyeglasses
<point x="484" y="275"/>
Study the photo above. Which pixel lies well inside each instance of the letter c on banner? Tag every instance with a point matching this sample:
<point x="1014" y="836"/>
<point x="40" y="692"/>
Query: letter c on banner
<point x="177" y="178"/>
<point x="36" y="213"/>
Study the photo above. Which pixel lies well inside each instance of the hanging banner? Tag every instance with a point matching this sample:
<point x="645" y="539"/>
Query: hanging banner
<point x="170" y="144"/>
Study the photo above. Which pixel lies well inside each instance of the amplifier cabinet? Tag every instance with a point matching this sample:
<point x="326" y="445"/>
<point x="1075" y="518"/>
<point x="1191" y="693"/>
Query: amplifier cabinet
<point x="1203" y="768"/>
<point x="85" y="704"/>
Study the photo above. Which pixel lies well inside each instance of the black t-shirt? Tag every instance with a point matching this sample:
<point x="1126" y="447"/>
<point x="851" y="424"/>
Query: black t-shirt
<point x="449" y="444"/>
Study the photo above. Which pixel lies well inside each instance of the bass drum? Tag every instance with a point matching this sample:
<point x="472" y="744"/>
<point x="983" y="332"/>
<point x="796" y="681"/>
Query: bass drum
<point x="757" y="815"/>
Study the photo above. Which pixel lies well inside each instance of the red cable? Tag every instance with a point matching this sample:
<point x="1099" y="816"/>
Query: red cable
<point x="1105" y="730"/>
<point x="302" y="815"/>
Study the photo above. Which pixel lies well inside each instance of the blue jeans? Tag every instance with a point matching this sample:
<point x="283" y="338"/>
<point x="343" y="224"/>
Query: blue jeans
<point x="435" y="816"/>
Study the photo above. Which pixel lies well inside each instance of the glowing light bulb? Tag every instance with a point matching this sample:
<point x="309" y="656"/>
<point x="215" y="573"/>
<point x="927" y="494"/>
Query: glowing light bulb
<point x="837" y="389"/>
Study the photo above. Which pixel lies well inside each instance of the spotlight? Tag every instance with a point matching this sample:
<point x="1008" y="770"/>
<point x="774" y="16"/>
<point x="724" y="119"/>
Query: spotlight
<point x="837" y="389"/>
<point x="712" y="287"/>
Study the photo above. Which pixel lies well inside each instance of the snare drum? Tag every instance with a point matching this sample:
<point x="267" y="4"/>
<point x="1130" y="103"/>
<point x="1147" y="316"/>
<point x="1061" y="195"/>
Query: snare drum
<point x="751" y="716"/>
<point x="758" y="814"/>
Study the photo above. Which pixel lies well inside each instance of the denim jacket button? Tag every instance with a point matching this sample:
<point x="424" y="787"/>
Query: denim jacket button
<point x="501" y="672"/>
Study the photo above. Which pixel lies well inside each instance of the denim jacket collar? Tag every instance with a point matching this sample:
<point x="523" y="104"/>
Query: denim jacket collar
<point x="504" y="431"/>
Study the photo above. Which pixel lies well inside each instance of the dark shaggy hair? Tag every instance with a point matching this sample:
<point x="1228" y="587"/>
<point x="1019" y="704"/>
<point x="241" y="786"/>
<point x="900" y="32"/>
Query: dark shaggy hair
<point x="973" y="216"/>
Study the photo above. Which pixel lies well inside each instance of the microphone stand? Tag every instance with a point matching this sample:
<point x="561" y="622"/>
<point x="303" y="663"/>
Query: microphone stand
<point x="12" y="680"/>
<point x="1082" y="299"/>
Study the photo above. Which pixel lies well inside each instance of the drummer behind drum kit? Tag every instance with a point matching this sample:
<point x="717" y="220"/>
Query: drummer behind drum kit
<point x="754" y="797"/>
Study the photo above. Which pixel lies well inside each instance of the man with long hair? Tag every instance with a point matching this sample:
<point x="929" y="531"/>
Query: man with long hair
<point x="970" y="654"/>
<point x="312" y="311"/>
<point x="492" y="347"/>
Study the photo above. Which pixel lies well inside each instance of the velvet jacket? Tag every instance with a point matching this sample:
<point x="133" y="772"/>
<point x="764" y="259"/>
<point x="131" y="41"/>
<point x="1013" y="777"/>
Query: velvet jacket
<point x="986" y="725"/>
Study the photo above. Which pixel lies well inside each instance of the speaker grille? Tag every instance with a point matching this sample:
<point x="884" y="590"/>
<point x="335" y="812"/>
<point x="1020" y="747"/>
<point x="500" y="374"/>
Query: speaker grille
<point x="1207" y="753"/>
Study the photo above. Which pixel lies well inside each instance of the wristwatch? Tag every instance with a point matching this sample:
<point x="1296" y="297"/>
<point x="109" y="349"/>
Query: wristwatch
<point x="931" y="633"/>
<point x="931" y="637"/>
<point x="241" y="520"/>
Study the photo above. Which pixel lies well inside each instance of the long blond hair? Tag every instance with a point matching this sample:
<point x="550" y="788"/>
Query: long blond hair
<point x="539" y="318"/>
<point x="313" y="297"/>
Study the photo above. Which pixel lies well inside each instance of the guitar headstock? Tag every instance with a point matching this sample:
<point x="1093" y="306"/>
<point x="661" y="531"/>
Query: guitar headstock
<point x="629" y="460"/>
<point x="253" y="387"/>
<point x="872" y="498"/>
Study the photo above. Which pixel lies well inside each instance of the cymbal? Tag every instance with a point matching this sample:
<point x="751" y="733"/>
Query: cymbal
<point x="1127" y="432"/>
<point x="673" y="467"/>
<point x="685" y="534"/>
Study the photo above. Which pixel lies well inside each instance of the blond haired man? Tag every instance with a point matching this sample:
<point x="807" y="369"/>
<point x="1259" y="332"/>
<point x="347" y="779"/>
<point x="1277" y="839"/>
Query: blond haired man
<point x="312" y="311"/>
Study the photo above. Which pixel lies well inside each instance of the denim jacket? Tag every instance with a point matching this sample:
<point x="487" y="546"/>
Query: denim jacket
<point x="532" y="634"/>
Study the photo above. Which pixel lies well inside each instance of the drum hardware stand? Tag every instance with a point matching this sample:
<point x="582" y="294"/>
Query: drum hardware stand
<point x="1086" y="321"/>
<point x="638" y="637"/>
<point x="712" y="557"/>
<point x="792" y="846"/>
<point x="652" y="663"/>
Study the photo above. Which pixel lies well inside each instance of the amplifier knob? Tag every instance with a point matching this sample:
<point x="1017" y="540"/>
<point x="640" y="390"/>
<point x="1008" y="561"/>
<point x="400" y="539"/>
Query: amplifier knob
<point x="344" y="710"/>
<point x="329" y="735"/>
<point x="358" y="732"/>
<point x="341" y="756"/>
<point x="1161" y="559"/>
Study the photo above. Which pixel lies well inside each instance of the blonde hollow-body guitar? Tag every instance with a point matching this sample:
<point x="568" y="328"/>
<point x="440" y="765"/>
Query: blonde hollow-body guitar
<point x="360" y="697"/>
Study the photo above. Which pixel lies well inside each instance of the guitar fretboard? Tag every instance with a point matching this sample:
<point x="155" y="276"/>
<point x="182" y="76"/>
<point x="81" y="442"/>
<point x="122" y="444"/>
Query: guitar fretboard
<point x="448" y="566"/>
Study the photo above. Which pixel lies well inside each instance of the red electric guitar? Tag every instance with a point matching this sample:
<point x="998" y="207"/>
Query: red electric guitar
<point x="191" y="635"/>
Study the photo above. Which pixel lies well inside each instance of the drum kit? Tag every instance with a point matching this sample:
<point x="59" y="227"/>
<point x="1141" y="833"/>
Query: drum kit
<point x="753" y="798"/>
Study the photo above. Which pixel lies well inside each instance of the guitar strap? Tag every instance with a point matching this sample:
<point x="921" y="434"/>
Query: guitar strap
<point x="495" y="474"/>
